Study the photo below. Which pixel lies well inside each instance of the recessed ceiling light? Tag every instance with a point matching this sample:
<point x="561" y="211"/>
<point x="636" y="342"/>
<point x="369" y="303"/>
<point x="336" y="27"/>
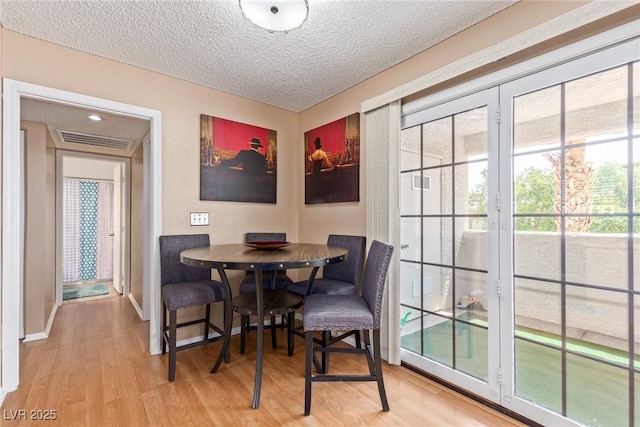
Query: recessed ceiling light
<point x="95" y="117"/>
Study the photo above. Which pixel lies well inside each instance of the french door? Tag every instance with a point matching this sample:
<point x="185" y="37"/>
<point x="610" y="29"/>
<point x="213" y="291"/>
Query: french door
<point x="520" y="231"/>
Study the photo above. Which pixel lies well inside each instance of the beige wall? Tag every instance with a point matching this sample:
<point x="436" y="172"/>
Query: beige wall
<point x="39" y="271"/>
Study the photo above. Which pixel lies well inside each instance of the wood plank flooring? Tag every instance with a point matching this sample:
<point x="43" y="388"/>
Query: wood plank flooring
<point x="95" y="370"/>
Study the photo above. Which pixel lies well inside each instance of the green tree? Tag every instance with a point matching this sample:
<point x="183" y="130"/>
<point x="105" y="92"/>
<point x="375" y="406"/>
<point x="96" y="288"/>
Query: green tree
<point x="610" y="196"/>
<point x="533" y="194"/>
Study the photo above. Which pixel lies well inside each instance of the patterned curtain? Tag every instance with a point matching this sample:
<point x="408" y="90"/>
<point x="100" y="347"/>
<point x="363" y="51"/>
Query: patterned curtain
<point x="87" y="243"/>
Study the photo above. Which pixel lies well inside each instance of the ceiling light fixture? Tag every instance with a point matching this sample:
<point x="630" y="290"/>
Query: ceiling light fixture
<point x="95" y="117"/>
<point x="276" y="15"/>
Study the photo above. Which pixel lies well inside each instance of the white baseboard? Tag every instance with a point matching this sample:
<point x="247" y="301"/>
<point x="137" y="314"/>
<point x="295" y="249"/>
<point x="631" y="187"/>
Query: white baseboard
<point x="47" y="329"/>
<point x="35" y="337"/>
<point x="136" y="306"/>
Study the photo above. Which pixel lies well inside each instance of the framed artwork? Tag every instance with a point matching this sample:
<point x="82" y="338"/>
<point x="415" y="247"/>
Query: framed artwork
<point x="238" y="161"/>
<point x="332" y="162"/>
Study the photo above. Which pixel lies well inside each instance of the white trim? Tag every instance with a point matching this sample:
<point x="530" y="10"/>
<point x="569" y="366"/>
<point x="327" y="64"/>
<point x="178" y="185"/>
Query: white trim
<point x="572" y="20"/>
<point x="35" y="337"/>
<point x="136" y="306"/>
<point x="617" y="36"/>
<point x="12" y="213"/>
<point x="47" y="329"/>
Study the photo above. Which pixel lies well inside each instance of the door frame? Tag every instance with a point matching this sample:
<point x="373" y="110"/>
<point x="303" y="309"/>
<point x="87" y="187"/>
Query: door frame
<point x="13" y="215"/>
<point x="125" y="211"/>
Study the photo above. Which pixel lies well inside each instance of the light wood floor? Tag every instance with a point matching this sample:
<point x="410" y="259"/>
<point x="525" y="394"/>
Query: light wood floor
<point x="95" y="370"/>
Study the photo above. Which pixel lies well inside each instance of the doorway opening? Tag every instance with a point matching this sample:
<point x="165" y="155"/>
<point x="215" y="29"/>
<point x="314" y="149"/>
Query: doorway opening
<point x="95" y="250"/>
<point x="13" y="214"/>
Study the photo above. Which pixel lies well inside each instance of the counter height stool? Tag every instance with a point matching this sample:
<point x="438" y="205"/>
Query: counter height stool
<point x="350" y="312"/>
<point x="184" y="286"/>
<point x="342" y="278"/>
<point x="269" y="282"/>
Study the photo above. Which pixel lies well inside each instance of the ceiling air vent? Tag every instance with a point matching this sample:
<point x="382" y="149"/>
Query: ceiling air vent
<point x="94" y="140"/>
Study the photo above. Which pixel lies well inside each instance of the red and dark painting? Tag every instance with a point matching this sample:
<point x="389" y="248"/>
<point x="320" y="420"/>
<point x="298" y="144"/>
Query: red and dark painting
<point x="238" y="161"/>
<point x="332" y="162"/>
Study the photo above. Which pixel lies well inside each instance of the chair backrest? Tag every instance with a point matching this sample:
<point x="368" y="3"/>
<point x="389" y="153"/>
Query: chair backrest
<point x="375" y="275"/>
<point x="349" y="270"/>
<point x="171" y="269"/>
<point x="265" y="237"/>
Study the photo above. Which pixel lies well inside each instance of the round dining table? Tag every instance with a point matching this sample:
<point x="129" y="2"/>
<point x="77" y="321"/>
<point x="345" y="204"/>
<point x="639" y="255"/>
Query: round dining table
<point x="260" y="259"/>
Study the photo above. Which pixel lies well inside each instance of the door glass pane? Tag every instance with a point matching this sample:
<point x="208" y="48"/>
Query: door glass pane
<point x="597" y="393"/>
<point x="410" y="149"/>
<point x="636" y="255"/>
<point x="410" y="234"/>
<point x="534" y="189"/>
<point x="538" y="374"/>
<point x="587" y="116"/>
<point x="437" y="247"/>
<point x="471" y="292"/>
<point x="537" y="120"/>
<point x="538" y="310"/>
<point x="537" y="254"/>
<point x="597" y="323"/>
<point x="636" y="174"/>
<point x="471" y="188"/>
<point x="636" y="98"/>
<point x="409" y="197"/>
<point x="438" y="340"/>
<point x="471" y="247"/>
<point x="437" y="200"/>
<point x="598" y="258"/>
<point x="470" y="135"/>
<point x="471" y="348"/>
<point x="437" y="140"/>
<point x="410" y="277"/>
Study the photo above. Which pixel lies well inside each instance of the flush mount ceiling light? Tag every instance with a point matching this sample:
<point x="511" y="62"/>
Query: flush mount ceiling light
<point x="275" y="15"/>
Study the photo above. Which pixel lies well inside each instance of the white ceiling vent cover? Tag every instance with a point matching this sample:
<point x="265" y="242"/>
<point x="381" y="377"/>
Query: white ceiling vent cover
<point x="94" y="140"/>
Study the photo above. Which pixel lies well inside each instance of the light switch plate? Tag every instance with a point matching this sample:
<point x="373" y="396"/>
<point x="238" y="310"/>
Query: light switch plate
<point x="199" y="218"/>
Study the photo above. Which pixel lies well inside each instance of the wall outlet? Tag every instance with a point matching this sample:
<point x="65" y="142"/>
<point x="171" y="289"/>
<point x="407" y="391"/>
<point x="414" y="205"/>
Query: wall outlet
<point x="199" y="218"/>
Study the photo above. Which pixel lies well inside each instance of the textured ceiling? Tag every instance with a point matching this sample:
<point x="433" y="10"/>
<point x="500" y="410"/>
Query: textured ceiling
<point x="210" y="43"/>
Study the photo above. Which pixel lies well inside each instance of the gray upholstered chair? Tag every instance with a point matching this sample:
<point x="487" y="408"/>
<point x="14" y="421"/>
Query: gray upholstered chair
<point x="248" y="284"/>
<point x="350" y="312"/>
<point x="184" y="286"/>
<point x="342" y="278"/>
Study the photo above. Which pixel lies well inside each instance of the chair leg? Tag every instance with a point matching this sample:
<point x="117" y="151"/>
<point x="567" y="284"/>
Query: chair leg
<point x="378" y="364"/>
<point x="308" y="341"/>
<point x="326" y="338"/>
<point x="164" y="328"/>
<point x="369" y="353"/>
<point x="274" y="338"/>
<point x="172" y="344"/>
<point x="228" y="325"/>
<point x="207" y="320"/>
<point x="357" y="337"/>
<point x="290" y="337"/>
<point x="243" y="332"/>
